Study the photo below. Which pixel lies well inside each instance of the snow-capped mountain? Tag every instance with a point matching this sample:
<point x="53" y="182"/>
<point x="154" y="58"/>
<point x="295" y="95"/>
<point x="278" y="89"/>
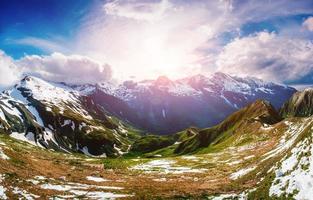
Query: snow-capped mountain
<point x="165" y="106"/>
<point x="56" y="116"/>
<point x="94" y="119"/>
<point x="263" y="154"/>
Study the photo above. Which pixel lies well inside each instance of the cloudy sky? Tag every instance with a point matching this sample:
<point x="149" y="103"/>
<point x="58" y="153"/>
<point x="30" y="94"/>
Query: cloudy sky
<point x="79" y="41"/>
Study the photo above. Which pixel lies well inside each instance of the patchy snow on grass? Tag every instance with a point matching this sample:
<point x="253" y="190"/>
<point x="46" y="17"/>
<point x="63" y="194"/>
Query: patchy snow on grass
<point x="242" y="196"/>
<point x="23" y="194"/>
<point x="76" y="186"/>
<point x="3" y="156"/>
<point x="40" y="178"/>
<point x="192" y="158"/>
<point x="295" y="174"/>
<point x="95" y="179"/>
<point x="241" y="173"/>
<point x="235" y="162"/>
<point x="78" y="189"/>
<point x="160" y="179"/>
<point x="37" y="180"/>
<point x="289" y="138"/>
<point x="165" y="166"/>
<point x="2" y="189"/>
<point x="95" y="195"/>
<point x="2" y="193"/>
<point x="249" y="157"/>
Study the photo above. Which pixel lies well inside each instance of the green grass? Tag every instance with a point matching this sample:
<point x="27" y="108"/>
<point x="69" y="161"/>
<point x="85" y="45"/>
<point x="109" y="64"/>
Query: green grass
<point x="151" y="143"/>
<point x="118" y="163"/>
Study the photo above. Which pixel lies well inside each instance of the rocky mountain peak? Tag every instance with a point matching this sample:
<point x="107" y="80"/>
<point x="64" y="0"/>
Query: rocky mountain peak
<point x="299" y="105"/>
<point x="163" y="81"/>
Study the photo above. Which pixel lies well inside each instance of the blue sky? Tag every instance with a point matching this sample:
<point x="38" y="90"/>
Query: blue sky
<point x="145" y="39"/>
<point x="40" y="19"/>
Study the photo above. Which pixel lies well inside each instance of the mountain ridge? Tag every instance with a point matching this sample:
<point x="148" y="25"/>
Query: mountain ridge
<point x="166" y="107"/>
<point x="82" y="118"/>
<point x="58" y="117"/>
<point x="245" y="156"/>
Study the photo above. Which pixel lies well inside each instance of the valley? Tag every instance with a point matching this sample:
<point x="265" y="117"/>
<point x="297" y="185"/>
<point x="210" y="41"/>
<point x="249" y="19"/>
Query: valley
<point x="237" y="170"/>
<point x="56" y="143"/>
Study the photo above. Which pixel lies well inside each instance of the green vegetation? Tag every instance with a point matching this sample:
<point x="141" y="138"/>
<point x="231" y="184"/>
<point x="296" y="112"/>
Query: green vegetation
<point x="151" y="143"/>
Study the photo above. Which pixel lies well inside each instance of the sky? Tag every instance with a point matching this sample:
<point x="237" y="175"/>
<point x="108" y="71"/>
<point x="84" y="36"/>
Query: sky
<point x="79" y="41"/>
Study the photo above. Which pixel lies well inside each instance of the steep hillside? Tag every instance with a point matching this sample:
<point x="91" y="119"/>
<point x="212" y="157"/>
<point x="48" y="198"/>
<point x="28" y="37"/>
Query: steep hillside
<point x="299" y="105"/>
<point x="244" y="123"/>
<point x="56" y="116"/>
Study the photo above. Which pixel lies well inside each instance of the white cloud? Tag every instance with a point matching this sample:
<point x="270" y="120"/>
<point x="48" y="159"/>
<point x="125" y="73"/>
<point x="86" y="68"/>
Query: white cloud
<point x="138" y="10"/>
<point x="256" y="10"/>
<point x="9" y="72"/>
<point x="47" y="45"/>
<point x="308" y="23"/>
<point x="267" y="56"/>
<point x="147" y="39"/>
<point x="73" y="69"/>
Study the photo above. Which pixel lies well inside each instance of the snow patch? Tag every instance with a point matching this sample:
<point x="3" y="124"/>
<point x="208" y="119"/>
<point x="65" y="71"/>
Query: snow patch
<point x="241" y="173"/>
<point x="3" y="156"/>
<point x="165" y="166"/>
<point x="29" y="138"/>
<point x="292" y="134"/>
<point x="23" y="194"/>
<point x="294" y="175"/>
<point x="84" y="189"/>
<point x="95" y="179"/>
<point x="2" y="189"/>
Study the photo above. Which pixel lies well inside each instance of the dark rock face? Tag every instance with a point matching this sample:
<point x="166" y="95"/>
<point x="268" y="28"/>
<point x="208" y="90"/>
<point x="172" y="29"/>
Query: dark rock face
<point x="299" y="105"/>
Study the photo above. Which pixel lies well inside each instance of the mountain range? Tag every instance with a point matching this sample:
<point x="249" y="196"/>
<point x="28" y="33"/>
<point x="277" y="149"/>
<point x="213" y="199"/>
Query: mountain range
<point x="163" y="106"/>
<point x="261" y="150"/>
<point x="104" y="119"/>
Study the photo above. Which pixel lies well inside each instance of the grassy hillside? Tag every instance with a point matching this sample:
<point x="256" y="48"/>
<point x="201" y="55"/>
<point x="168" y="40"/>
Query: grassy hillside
<point x="238" y="129"/>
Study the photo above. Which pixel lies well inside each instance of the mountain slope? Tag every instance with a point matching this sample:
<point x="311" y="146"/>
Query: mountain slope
<point x="58" y="117"/>
<point x="273" y="155"/>
<point x="164" y="106"/>
<point x="253" y="154"/>
<point x="239" y="128"/>
<point x="248" y="119"/>
<point x="299" y="105"/>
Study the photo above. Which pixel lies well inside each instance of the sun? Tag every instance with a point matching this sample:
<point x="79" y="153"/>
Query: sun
<point x="143" y="50"/>
<point x="161" y="56"/>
